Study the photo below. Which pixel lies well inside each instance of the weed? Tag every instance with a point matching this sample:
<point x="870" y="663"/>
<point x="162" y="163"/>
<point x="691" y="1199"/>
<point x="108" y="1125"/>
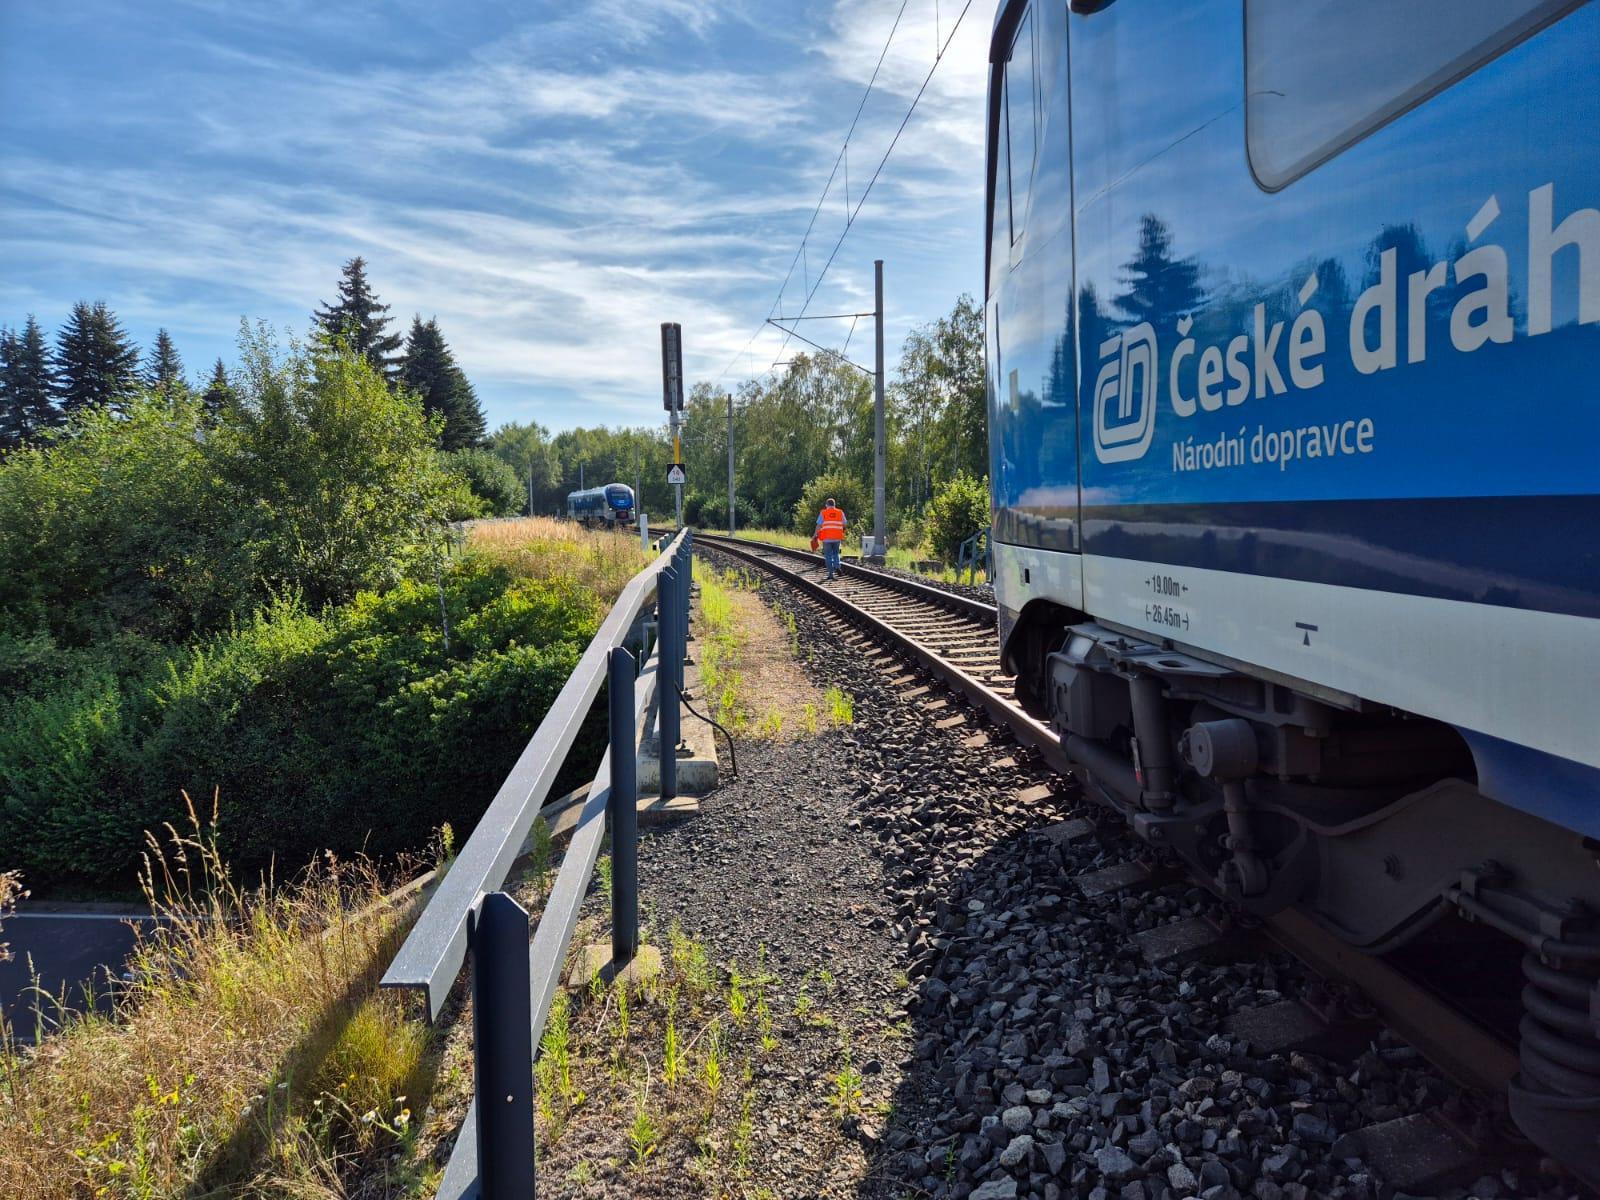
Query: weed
<point x="204" y="1052"/>
<point x="711" y="1065"/>
<point x="602" y="868"/>
<point x="771" y="725"/>
<point x="622" y="1011"/>
<point x="690" y="959"/>
<point x="671" y="1053"/>
<point x="705" y="1163"/>
<point x="738" y="1002"/>
<point x="555" y="1048"/>
<point x="540" y="854"/>
<point x="846" y="1098"/>
<point x="841" y="706"/>
<point x="643" y="1135"/>
<point x="811" y="718"/>
<point x="744" y="1136"/>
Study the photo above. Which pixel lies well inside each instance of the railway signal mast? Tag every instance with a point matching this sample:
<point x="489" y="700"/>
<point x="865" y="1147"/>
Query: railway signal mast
<point x="672" y="401"/>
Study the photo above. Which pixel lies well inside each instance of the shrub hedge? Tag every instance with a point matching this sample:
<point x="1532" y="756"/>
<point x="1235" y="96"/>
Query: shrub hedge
<point x="362" y="727"/>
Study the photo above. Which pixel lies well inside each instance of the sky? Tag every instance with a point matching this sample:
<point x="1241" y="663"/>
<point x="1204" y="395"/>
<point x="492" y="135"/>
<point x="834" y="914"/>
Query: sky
<point x="551" y="181"/>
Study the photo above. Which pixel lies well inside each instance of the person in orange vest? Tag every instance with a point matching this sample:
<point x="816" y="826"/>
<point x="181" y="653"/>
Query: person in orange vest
<point x="830" y="534"/>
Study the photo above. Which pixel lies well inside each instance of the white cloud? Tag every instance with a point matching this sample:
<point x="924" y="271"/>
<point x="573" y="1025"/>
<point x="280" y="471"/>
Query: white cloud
<point x="550" y="196"/>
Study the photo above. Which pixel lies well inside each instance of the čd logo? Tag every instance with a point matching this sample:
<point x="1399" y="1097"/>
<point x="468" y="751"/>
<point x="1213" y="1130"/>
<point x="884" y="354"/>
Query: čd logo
<point x="1125" y="395"/>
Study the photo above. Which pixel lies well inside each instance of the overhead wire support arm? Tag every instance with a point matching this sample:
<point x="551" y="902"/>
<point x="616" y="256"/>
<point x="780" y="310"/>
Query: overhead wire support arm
<point x="824" y="317"/>
<point x="823" y="349"/>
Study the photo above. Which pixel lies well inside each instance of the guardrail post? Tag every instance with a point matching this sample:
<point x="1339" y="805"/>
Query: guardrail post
<point x="624" y="806"/>
<point x="669" y="657"/>
<point x="502" y="1047"/>
<point x="686" y="571"/>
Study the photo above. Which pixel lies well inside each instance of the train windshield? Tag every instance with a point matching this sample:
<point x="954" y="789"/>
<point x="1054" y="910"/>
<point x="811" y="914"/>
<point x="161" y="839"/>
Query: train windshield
<point x="1322" y="74"/>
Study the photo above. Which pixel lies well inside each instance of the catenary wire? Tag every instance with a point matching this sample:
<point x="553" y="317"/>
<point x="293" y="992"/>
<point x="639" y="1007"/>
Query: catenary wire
<point x="851" y="213"/>
<point x="867" y="191"/>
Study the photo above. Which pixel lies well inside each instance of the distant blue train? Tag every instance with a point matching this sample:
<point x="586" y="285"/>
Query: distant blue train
<point x="1293" y="319"/>
<point x="611" y="505"/>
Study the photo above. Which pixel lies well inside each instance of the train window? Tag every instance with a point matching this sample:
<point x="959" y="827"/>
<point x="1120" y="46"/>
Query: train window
<point x="1022" y="121"/>
<point x="1322" y="74"/>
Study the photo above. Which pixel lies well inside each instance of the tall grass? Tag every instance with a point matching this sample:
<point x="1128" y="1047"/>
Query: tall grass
<point x="720" y="641"/>
<point x="544" y="548"/>
<point x="251" y="1054"/>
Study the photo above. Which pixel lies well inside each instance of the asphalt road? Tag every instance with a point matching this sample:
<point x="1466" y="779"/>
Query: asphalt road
<point x="66" y="950"/>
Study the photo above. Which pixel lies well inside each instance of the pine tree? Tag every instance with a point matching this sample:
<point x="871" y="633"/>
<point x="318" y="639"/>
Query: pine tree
<point x="27" y="386"/>
<point x="165" y="370"/>
<point x="219" y="393"/>
<point x="1161" y="288"/>
<point x="360" y="320"/>
<point x="429" y="370"/>
<point x="97" y="363"/>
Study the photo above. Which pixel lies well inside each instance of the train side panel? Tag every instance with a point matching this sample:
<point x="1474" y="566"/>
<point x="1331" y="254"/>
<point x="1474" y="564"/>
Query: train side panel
<point x="1032" y="358"/>
<point x="1335" y="405"/>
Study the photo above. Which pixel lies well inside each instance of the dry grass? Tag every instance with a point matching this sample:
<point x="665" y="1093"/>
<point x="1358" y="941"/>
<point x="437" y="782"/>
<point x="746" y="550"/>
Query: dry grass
<point x="544" y="548"/>
<point x="749" y="660"/>
<point x="251" y="1056"/>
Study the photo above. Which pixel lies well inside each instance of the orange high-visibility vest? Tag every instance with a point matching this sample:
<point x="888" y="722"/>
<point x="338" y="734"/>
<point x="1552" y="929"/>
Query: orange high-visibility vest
<point x="832" y="527"/>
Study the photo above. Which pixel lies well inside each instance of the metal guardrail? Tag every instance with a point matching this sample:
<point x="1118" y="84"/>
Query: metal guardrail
<point x="976" y="551"/>
<point x="513" y="982"/>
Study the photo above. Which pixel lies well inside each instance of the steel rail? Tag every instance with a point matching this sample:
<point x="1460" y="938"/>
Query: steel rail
<point x="1459" y="1046"/>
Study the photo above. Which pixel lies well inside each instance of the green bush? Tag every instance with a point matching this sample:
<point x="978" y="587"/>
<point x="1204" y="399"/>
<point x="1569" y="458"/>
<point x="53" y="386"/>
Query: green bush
<point x="490" y="479"/>
<point x="335" y="477"/>
<point x="120" y="524"/>
<point x="957" y="511"/>
<point x="853" y="495"/>
<point x="358" y="729"/>
<point x="319" y="480"/>
<point x="711" y="513"/>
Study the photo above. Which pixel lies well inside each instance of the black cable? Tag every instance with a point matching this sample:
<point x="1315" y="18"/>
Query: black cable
<point x="733" y="758"/>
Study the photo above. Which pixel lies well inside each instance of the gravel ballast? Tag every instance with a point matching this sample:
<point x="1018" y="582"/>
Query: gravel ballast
<point x="1013" y="1041"/>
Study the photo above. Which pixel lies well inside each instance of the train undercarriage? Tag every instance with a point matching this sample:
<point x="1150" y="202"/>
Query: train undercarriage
<point x="1369" y="820"/>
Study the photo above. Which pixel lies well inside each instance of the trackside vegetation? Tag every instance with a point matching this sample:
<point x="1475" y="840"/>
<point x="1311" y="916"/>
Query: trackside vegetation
<point x="251" y="1054"/>
<point x="265" y="603"/>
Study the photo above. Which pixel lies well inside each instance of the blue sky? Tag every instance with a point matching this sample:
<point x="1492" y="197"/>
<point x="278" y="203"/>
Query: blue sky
<point x="550" y="180"/>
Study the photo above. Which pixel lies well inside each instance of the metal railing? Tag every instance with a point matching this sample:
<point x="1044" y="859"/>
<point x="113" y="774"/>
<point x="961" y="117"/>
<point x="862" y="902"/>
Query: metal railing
<point x="976" y="551"/>
<point x="513" y="982"/>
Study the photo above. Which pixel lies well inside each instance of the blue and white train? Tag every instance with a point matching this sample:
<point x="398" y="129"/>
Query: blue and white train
<point x="1293" y="319"/>
<point x="608" y="505"/>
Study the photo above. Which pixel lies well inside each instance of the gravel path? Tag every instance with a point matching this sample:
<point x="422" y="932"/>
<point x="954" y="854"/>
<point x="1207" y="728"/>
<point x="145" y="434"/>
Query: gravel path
<point x="1013" y="1041"/>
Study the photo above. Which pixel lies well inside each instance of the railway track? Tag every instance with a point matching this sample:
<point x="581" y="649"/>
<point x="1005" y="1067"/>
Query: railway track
<point x="952" y="638"/>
